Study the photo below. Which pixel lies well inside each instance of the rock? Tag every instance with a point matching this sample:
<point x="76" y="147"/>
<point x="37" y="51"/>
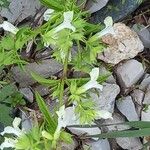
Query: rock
<point x="19" y="10"/>
<point x="93" y="6"/>
<point x="98" y="145"/>
<point x="127" y="108"/>
<point x="105" y="100"/>
<point x="123" y="44"/>
<point x="124" y="10"/>
<point x="42" y="90"/>
<point x="129" y="73"/>
<point x="26" y="122"/>
<point x="145" y="116"/>
<point x="45" y="68"/>
<point x="117" y="118"/>
<point x="129" y="143"/>
<point x="146" y="81"/>
<point x="27" y="93"/>
<point x="71" y="146"/>
<point x="147" y="96"/>
<point x="138" y="96"/>
<point x="144" y="34"/>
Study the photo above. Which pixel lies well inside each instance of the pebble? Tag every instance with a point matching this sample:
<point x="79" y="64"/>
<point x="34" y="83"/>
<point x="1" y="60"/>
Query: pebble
<point x="45" y="68"/>
<point x="126" y="106"/>
<point x="129" y="73"/>
<point x="27" y="93"/>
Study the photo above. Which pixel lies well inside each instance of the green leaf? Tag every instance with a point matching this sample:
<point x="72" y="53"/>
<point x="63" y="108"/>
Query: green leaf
<point x="128" y="133"/>
<point x="45" y="111"/>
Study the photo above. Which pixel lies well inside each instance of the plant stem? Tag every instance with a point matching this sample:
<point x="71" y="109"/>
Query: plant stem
<point x="63" y="79"/>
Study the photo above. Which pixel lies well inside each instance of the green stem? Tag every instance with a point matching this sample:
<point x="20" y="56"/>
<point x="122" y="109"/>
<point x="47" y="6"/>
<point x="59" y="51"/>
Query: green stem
<point x="63" y="79"/>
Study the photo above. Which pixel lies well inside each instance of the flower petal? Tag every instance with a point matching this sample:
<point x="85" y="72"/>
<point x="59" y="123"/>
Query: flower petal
<point x="7" y="26"/>
<point x="11" y="130"/>
<point x="8" y="143"/>
<point x="47" y="14"/>
<point x="68" y="17"/>
<point x="94" y="74"/>
<point x="104" y="114"/>
<point x="16" y="122"/>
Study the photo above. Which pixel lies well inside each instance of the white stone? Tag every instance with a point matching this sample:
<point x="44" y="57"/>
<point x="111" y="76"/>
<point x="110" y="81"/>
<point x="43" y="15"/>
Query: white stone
<point x="129" y="73"/>
<point x="129" y="143"/>
<point x="145" y="116"/>
<point x="124" y="44"/>
<point x="147" y="96"/>
<point x="27" y="93"/>
<point x="127" y="108"/>
<point x="146" y="81"/>
<point x="105" y="99"/>
<point x="98" y="145"/>
<point x="93" y="6"/>
<point x="20" y="9"/>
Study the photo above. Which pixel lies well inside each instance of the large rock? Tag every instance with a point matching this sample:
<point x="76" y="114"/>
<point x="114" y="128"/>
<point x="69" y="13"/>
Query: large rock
<point x="45" y="68"/>
<point x="129" y="73"/>
<point x="20" y="9"/>
<point x="127" y="108"/>
<point x="129" y="143"/>
<point x="93" y="6"/>
<point x="105" y="100"/>
<point x="123" y="44"/>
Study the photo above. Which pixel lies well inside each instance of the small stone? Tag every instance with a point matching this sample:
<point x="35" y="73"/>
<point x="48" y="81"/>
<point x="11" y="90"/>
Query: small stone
<point x="26" y="122"/>
<point x="123" y="44"/>
<point x="127" y="108"/>
<point x="71" y="146"/>
<point x="146" y="81"/>
<point x="138" y="96"/>
<point x="45" y="68"/>
<point x="93" y="6"/>
<point x="145" y="116"/>
<point x="27" y="93"/>
<point x="42" y="90"/>
<point x="129" y="73"/>
<point x="98" y="145"/>
<point x="129" y="143"/>
<point x="117" y="118"/>
<point x="19" y="10"/>
<point x="105" y="99"/>
<point x="147" y="96"/>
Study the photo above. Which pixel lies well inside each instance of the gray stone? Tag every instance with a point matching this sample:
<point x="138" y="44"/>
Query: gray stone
<point x="127" y="108"/>
<point x="69" y="146"/>
<point x="145" y="116"/>
<point x="129" y="73"/>
<point x="138" y="96"/>
<point x="117" y="118"/>
<point x="129" y="143"/>
<point x="146" y="81"/>
<point x="27" y="93"/>
<point x="122" y="44"/>
<point x="98" y="145"/>
<point x="26" y="123"/>
<point x="45" y="68"/>
<point x="105" y="100"/>
<point x="20" y="9"/>
<point x="42" y="90"/>
<point x="147" y="96"/>
<point x="93" y="6"/>
<point x="124" y="10"/>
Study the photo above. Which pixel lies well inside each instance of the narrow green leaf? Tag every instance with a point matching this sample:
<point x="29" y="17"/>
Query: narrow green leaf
<point x="127" y="133"/>
<point x="45" y="111"/>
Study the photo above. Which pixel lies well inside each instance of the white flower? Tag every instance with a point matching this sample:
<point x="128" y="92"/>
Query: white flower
<point x="8" y="143"/>
<point x="94" y="74"/>
<point x="68" y="17"/>
<point x="47" y="14"/>
<point x="13" y="130"/>
<point x="7" y="26"/>
<point x="108" y="27"/>
<point x="104" y="114"/>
